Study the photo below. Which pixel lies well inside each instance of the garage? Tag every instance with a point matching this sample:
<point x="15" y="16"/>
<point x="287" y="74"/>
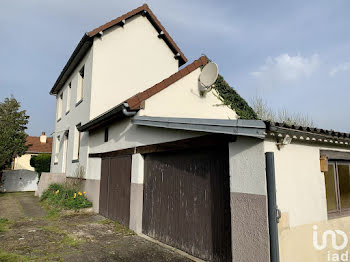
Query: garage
<point x="115" y="188"/>
<point x="187" y="201"/>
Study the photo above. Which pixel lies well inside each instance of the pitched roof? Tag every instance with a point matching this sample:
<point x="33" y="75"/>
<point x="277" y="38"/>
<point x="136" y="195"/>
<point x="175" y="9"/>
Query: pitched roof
<point x="87" y="41"/>
<point x="134" y="102"/>
<point x="316" y="134"/>
<point x="35" y="146"/>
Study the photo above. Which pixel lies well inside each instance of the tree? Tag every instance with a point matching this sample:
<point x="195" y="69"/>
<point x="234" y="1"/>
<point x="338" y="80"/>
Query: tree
<point x="41" y="163"/>
<point x="265" y="112"/>
<point x="13" y="123"/>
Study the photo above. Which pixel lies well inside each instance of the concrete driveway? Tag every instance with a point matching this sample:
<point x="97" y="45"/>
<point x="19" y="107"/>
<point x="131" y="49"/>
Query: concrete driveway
<point x="34" y="234"/>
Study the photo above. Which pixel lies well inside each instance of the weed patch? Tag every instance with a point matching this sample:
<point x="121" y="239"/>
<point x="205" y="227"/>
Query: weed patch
<point x="65" y="197"/>
<point x="4" y="224"/>
<point x="118" y="228"/>
<point x="10" y="257"/>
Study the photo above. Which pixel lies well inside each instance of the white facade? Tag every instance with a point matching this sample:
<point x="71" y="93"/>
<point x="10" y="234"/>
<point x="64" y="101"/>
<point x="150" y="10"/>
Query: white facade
<point x="183" y="99"/>
<point x="128" y="60"/>
<point x="124" y="61"/>
<point x="65" y="151"/>
<point x="300" y="184"/>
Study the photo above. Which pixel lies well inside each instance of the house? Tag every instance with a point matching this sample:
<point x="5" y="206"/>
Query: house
<point x="36" y="145"/>
<point x="175" y="164"/>
<point x="123" y="76"/>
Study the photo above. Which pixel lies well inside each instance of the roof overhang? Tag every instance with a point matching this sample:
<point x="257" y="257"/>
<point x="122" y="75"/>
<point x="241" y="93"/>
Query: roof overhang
<point x="115" y="114"/>
<point x="251" y="128"/>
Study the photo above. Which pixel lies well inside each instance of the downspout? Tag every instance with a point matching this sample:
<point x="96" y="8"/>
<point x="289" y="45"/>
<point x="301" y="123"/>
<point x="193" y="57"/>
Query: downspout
<point x="126" y="112"/>
<point x="274" y="213"/>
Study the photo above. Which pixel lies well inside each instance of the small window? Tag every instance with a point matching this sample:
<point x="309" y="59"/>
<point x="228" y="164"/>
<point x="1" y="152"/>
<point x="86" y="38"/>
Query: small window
<point x="106" y="134"/>
<point x="69" y="89"/>
<point x="59" y="106"/>
<point x="57" y="146"/>
<point x="77" y="138"/>
<point x="80" y="89"/>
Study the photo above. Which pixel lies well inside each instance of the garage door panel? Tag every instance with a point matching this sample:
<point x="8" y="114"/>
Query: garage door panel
<point x="115" y="197"/>
<point x="103" y="201"/>
<point x="186" y="200"/>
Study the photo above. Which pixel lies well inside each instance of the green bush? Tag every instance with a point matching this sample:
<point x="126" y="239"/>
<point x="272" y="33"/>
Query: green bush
<point x="41" y="163"/>
<point x="61" y="196"/>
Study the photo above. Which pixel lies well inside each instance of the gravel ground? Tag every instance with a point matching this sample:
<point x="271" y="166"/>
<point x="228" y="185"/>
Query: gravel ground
<point x="34" y="234"/>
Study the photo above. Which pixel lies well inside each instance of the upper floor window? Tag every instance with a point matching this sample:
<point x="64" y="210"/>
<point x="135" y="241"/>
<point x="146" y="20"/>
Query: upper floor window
<point x="59" y="106"/>
<point x="69" y="89"/>
<point x="80" y="89"/>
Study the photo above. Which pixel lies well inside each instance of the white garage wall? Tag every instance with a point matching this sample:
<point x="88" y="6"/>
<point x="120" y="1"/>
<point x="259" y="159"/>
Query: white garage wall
<point x="300" y="183"/>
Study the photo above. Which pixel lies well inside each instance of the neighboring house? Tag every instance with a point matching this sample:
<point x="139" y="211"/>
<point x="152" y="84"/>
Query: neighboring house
<point x="21" y="176"/>
<point x="170" y="162"/>
<point x="36" y="145"/>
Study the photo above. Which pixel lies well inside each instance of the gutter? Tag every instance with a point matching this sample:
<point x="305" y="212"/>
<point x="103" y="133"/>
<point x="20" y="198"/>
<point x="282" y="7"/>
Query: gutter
<point x="251" y="128"/>
<point x="121" y="111"/>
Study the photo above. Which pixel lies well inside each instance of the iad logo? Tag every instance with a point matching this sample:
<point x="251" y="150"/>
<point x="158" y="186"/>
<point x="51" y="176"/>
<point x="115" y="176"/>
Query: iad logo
<point x="333" y="236"/>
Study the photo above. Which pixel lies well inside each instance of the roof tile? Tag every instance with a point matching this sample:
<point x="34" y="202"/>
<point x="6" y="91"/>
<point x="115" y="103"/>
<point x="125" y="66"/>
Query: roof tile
<point x="35" y="146"/>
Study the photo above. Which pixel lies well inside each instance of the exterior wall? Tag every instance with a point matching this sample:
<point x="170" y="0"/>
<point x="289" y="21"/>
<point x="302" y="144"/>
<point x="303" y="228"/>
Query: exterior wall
<point x="23" y="162"/>
<point x="183" y="99"/>
<point x="250" y="234"/>
<point x="18" y="180"/>
<point x="124" y="134"/>
<point x="46" y="179"/>
<point x="301" y="197"/>
<point x="296" y="244"/>
<point x="136" y="193"/>
<point x="128" y="60"/>
<point x="301" y="193"/>
<point x="77" y="114"/>
<point x="92" y="189"/>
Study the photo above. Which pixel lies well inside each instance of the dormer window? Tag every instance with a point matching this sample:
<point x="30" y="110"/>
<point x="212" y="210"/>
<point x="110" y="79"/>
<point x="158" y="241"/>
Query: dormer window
<point x="80" y="89"/>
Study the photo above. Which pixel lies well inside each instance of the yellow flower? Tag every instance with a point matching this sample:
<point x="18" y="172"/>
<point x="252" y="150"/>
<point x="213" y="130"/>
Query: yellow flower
<point x="79" y="193"/>
<point x="57" y="191"/>
<point x="75" y="195"/>
<point x="84" y="192"/>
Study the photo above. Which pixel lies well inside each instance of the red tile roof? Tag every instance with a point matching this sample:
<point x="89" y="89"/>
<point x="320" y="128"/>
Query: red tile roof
<point x="135" y="101"/>
<point x="87" y="41"/>
<point x="35" y="146"/>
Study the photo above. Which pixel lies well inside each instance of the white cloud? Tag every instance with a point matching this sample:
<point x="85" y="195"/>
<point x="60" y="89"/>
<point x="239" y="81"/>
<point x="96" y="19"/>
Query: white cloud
<point x="286" y="68"/>
<point x="340" y="68"/>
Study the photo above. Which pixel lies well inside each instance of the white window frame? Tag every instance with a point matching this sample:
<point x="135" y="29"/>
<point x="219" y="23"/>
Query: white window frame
<point x="69" y="90"/>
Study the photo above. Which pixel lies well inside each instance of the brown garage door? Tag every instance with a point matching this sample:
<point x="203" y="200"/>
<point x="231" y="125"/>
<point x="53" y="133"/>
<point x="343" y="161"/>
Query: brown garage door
<point x="187" y="201"/>
<point x="115" y="188"/>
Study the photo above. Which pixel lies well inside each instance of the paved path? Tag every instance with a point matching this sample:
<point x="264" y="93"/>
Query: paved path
<point x="18" y="205"/>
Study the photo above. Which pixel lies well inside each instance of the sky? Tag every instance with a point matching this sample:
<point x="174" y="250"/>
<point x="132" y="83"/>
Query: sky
<point x="295" y="55"/>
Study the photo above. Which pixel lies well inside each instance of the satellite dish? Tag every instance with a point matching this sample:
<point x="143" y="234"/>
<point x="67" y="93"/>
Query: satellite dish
<point x="208" y="76"/>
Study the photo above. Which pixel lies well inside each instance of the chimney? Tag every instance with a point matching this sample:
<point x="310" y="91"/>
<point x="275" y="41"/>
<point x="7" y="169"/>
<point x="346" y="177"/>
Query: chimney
<point x="43" y="138"/>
